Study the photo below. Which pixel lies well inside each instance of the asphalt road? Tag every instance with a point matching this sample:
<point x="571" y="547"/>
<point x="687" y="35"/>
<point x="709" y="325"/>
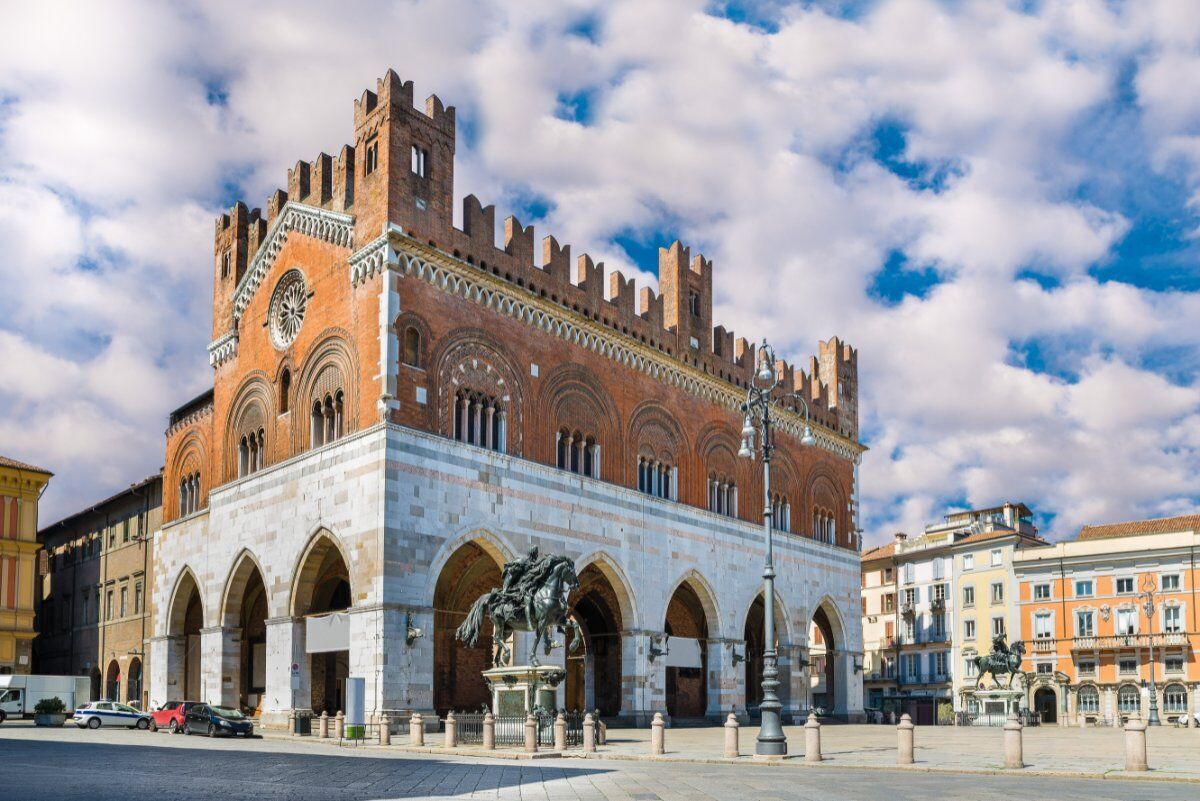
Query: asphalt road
<point x="70" y="764"/>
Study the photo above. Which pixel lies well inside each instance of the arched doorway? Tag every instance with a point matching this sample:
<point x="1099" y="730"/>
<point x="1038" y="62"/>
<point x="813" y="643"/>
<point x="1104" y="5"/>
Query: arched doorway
<point x="458" y="680"/>
<point x="686" y="626"/>
<point x="1045" y="703"/>
<point x="322" y="587"/>
<point x="133" y="683"/>
<point x="184" y="622"/>
<point x="96" y="682"/>
<point x="594" y="671"/>
<point x="112" y="682"/>
<point x="753" y="634"/>
<point x="822" y="662"/>
<point x="246" y="612"/>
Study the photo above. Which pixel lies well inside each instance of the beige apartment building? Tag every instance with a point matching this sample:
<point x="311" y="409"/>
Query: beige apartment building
<point x="93" y="615"/>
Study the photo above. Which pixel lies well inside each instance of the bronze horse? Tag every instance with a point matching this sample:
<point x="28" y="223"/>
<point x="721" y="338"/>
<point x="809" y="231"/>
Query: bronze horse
<point x="540" y="609"/>
<point x="1002" y="659"/>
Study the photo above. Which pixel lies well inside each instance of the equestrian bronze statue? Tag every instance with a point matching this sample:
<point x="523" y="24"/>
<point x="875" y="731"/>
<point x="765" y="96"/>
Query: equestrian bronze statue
<point x="533" y="597"/>
<point x="1003" y="659"/>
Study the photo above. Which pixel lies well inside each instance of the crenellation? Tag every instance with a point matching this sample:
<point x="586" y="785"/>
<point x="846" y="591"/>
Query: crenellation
<point x="400" y="170"/>
<point x="275" y="204"/>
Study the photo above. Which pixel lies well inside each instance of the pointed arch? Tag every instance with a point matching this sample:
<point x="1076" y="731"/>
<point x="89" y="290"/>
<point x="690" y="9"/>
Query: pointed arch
<point x="834" y="614"/>
<point x="784" y="628"/>
<point x="251" y="418"/>
<point x="243" y="567"/>
<point x="622" y="586"/>
<point x="307" y="570"/>
<point x="493" y="544"/>
<point x="180" y="596"/>
<point x="705" y="594"/>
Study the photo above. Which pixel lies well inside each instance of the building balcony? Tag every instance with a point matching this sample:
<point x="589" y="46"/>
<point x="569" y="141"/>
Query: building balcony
<point x="908" y="610"/>
<point x="938" y="604"/>
<point x="1118" y="642"/>
<point x="1044" y="645"/>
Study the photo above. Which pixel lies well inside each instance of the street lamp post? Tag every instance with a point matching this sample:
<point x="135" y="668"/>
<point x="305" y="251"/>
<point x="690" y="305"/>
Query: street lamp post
<point x="1147" y="597"/>
<point x="761" y="399"/>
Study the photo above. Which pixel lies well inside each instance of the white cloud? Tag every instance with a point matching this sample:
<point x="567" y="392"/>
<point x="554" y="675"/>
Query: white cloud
<point x="755" y="147"/>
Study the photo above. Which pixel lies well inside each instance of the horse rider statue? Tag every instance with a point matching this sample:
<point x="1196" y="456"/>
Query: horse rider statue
<point x="1004" y="658"/>
<point x="532" y="597"/>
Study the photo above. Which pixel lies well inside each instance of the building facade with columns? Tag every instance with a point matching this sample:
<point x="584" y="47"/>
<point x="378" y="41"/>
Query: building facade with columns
<point x="1093" y="647"/>
<point x="400" y="405"/>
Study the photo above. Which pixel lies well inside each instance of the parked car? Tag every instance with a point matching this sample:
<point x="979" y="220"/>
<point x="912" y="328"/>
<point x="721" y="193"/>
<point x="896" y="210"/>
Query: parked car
<point x="170" y="716"/>
<point x="216" y="720"/>
<point x="110" y="713"/>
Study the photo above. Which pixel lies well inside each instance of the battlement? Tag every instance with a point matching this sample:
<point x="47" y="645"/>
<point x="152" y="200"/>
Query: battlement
<point x="400" y="171"/>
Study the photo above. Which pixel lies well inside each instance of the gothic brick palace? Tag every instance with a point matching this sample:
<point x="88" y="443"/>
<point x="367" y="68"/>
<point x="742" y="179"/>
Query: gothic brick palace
<point x="399" y="406"/>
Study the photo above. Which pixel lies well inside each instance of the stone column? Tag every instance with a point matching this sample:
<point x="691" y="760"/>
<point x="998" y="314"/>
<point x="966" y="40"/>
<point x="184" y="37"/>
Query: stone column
<point x="218" y="655"/>
<point x="163" y="652"/>
<point x="464" y="410"/>
<point x="285" y="647"/>
<point x="643" y="681"/>
<point x="489" y="414"/>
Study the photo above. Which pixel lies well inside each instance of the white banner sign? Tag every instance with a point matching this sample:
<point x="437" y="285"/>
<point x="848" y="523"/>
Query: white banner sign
<point x="326" y="633"/>
<point x="684" y="652"/>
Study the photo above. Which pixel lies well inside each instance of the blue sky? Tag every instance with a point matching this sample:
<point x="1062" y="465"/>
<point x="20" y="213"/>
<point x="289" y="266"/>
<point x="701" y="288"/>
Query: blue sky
<point x="997" y="203"/>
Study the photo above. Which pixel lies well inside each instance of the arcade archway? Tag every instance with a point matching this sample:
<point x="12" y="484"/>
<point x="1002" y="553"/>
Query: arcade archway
<point x="825" y="658"/>
<point x="594" y="671"/>
<point x="322" y="587"/>
<point x="133" y="683"/>
<point x="458" y="683"/>
<point x="246" y="612"/>
<point x="185" y="619"/>
<point x="753" y="634"/>
<point x="686" y="626"/>
<point x="112" y="682"/>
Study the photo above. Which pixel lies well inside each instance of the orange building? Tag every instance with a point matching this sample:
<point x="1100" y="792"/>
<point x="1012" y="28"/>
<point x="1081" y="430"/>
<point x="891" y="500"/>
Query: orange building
<point x="21" y="487"/>
<point x="1110" y="615"/>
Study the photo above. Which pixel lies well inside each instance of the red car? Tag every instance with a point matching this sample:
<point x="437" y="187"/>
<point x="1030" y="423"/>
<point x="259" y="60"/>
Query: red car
<point x="170" y="716"/>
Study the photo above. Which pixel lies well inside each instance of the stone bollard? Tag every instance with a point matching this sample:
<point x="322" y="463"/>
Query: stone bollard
<point x="385" y="730"/>
<point x="656" y="734"/>
<point x="812" y="739"/>
<point x="589" y="734"/>
<point x="489" y="732"/>
<point x="292" y="723"/>
<point x="560" y="733"/>
<point x="339" y="725"/>
<point x="904" y="740"/>
<point x="1014" y="755"/>
<point x="416" y="730"/>
<point x="731" y="737"/>
<point x="531" y="734"/>
<point x="451" y="731"/>
<point x="601" y="729"/>
<point x="1135" y="744"/>
<point x="323" y="726"/>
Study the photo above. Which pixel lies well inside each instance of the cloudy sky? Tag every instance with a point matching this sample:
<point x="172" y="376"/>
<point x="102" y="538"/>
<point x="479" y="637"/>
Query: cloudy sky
<point x="998" y="204"/>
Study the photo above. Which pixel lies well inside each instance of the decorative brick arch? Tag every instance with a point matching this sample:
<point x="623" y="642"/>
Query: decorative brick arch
<point x="190" y="460"/>
<point x="572" y="398"/>
<point x="407" y="320"/>
<point x="823" y="499"/>
<point x="473" y="360"/>
<point x="252" y="411"/>
<point x="716" y="458"/>
<point x="330" y="367"/>
<point x="655" y="434"/>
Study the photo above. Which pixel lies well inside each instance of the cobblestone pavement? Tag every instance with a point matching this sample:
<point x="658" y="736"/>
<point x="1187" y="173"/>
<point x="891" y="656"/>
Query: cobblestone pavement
<point x="71" y="764"/>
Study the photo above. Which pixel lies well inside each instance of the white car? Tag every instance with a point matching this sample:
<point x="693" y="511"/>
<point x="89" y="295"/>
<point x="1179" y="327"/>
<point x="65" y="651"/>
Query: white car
<point x="110" y="713"/>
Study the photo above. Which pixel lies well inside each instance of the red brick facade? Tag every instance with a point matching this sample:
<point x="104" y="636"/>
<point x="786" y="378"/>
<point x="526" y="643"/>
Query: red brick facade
<point x="400" y="171"/>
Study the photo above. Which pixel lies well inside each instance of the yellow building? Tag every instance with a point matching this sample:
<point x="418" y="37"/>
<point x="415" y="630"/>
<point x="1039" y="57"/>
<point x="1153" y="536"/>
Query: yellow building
<point x="21" y="487"/>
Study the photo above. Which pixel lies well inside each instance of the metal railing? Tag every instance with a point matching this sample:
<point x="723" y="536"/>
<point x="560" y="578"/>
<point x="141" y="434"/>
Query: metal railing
<point x="510" y="729"/>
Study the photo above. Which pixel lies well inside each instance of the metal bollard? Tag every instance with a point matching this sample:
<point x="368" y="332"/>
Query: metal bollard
<point x="589" y="734"/>
<point x="656" y="734"/>
<point x="560" y="732"/>
<point x="385" y="730"/>
<point x="489" y="732"/>
<point x="731" y="736"/>
<point x="812" y="739"/>
<point x="1135" y="744"/>
<point x="531" y="733"/>
<point x="416" y="729"/>
<point x="323" y="726"/>
<point x="451" y="731"/>
<point x="1014" y="756"/>
<point x="904" y="740"/>
<point x="339" y="724"/>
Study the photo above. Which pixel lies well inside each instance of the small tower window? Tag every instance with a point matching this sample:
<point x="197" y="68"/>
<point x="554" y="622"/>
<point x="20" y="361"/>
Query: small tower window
<point x="285" y="390"/>
<point x="419" y="158"/>
<point x="225" y="264"/>
<point x="412" y="347"/>
<point x="372" y="160"/>
<point x="694" y="303"/>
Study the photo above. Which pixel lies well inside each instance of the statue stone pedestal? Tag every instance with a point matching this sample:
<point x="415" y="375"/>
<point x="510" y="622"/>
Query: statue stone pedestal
<point x="517" y="690"/>
<point x="995" y="705"/>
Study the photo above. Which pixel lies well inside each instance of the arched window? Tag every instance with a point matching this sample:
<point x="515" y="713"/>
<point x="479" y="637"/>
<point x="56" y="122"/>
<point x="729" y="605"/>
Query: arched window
<point x="1089" y="699"/>
<point x="722" y="495"/>
<point x="578" y="452"/>
<point x="479" y="419"/>
<point x="658" y="478"/>
<point x="1175" y="698"/>
<point x="1128" y="699"/>
<point x="189" y="494"/>
<point x="412" y="347"/>
<point x="317" y="435"/>
<point x="781" y="513"/>
<point x="285" y="390"/>
<point x="243" y="457"/>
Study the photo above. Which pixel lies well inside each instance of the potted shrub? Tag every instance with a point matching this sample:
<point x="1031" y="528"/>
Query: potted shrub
<point x="50" y="712"/>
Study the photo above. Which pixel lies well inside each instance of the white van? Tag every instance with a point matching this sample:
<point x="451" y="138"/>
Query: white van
<point x="20" y="694"/>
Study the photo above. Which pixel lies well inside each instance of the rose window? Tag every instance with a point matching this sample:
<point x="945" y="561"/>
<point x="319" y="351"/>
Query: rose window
<point x="287" y="308"/>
